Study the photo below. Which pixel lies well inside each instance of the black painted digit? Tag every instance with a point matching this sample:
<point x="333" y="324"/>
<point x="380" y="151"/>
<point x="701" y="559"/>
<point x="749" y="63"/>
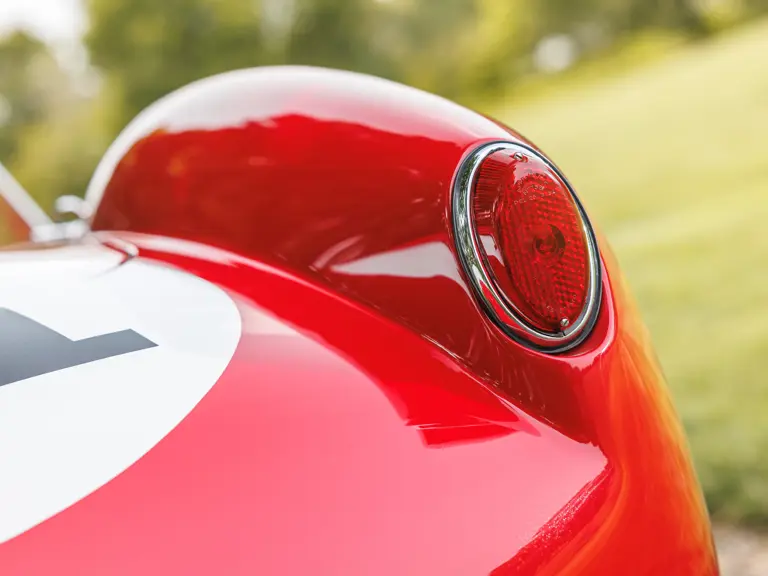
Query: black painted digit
<point x="28" y="349"/>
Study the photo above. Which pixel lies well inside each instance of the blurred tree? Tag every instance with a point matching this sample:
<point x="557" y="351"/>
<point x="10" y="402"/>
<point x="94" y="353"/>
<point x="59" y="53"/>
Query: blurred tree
<point x="684" y="14"/>
<point x="453" y="47"/>
<point x="619" y="16"/>
<point x="58" y="157"/>
<point x="35" y="97"/>
<point x="498" y="43"/>
<point x="150" y="47"/>
<point x="31" y="85"/>
<point x="429" y="43"/>
<point x="336" y="34"/>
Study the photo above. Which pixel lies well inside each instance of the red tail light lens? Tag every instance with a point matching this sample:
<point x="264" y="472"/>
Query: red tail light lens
<point x="527" y="246"/>
<point x="538" y="254"/>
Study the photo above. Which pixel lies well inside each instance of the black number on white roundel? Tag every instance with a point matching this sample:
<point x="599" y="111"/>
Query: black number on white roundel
<point x="28" y="348"/>
<point x="96" y="372"/>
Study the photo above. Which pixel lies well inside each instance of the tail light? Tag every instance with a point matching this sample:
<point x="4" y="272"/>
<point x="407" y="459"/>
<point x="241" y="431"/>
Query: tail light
<point x="527" y="246"/>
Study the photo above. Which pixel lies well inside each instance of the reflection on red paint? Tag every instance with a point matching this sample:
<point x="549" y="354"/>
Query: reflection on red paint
<point x="330" y="211"/>
<point x="294" y="211"/>
<point x="576" y="520"/>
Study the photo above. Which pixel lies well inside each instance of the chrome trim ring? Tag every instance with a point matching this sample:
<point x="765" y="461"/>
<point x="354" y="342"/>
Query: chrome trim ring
<point x="476" y="267"/>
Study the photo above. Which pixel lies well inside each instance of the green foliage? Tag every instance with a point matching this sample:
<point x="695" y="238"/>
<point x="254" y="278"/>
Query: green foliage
<point x="57" y="157"/>
<point x="452" y="47"/>
<point x="335" y="34"/>
<point x="149" y="48"/>
<point x="29" y="85"/>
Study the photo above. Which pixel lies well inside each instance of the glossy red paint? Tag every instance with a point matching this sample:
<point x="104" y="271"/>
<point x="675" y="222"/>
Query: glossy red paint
<point x="316" y="453"/>
<point x="341" y="178"/>
<point x="327" y="198"/>
<point x="339" y="442"/>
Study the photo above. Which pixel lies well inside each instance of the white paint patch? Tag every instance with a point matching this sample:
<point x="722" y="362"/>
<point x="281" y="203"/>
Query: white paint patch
<point x="66" y="433"/>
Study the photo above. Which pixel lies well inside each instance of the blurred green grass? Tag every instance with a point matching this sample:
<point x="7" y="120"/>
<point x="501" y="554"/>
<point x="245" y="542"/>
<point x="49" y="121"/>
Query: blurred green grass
<point x="670" y="155"/>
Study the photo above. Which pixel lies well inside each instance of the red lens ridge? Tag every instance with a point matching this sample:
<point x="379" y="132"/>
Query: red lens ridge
<point x="533" y="238"/>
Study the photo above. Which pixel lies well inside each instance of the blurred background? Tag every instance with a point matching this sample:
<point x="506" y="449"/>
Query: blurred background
<point x="656" y="109"/>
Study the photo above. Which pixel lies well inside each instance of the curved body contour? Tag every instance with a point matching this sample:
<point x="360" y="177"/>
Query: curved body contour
<point x="371" y="419"/>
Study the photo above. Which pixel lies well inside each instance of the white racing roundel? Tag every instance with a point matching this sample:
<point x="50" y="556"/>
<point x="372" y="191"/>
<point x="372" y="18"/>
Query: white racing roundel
<point x="96" y="367"/>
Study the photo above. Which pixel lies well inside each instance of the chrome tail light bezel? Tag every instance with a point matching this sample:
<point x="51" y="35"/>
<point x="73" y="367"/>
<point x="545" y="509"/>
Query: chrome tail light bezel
<point x="476" y="268"/>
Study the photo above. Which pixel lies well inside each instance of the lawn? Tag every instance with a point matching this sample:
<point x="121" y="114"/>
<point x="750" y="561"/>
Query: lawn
<point x="671" y="158"/>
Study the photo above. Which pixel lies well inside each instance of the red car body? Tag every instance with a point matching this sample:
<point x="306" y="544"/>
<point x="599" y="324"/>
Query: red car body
<point x="370" y="418"/>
